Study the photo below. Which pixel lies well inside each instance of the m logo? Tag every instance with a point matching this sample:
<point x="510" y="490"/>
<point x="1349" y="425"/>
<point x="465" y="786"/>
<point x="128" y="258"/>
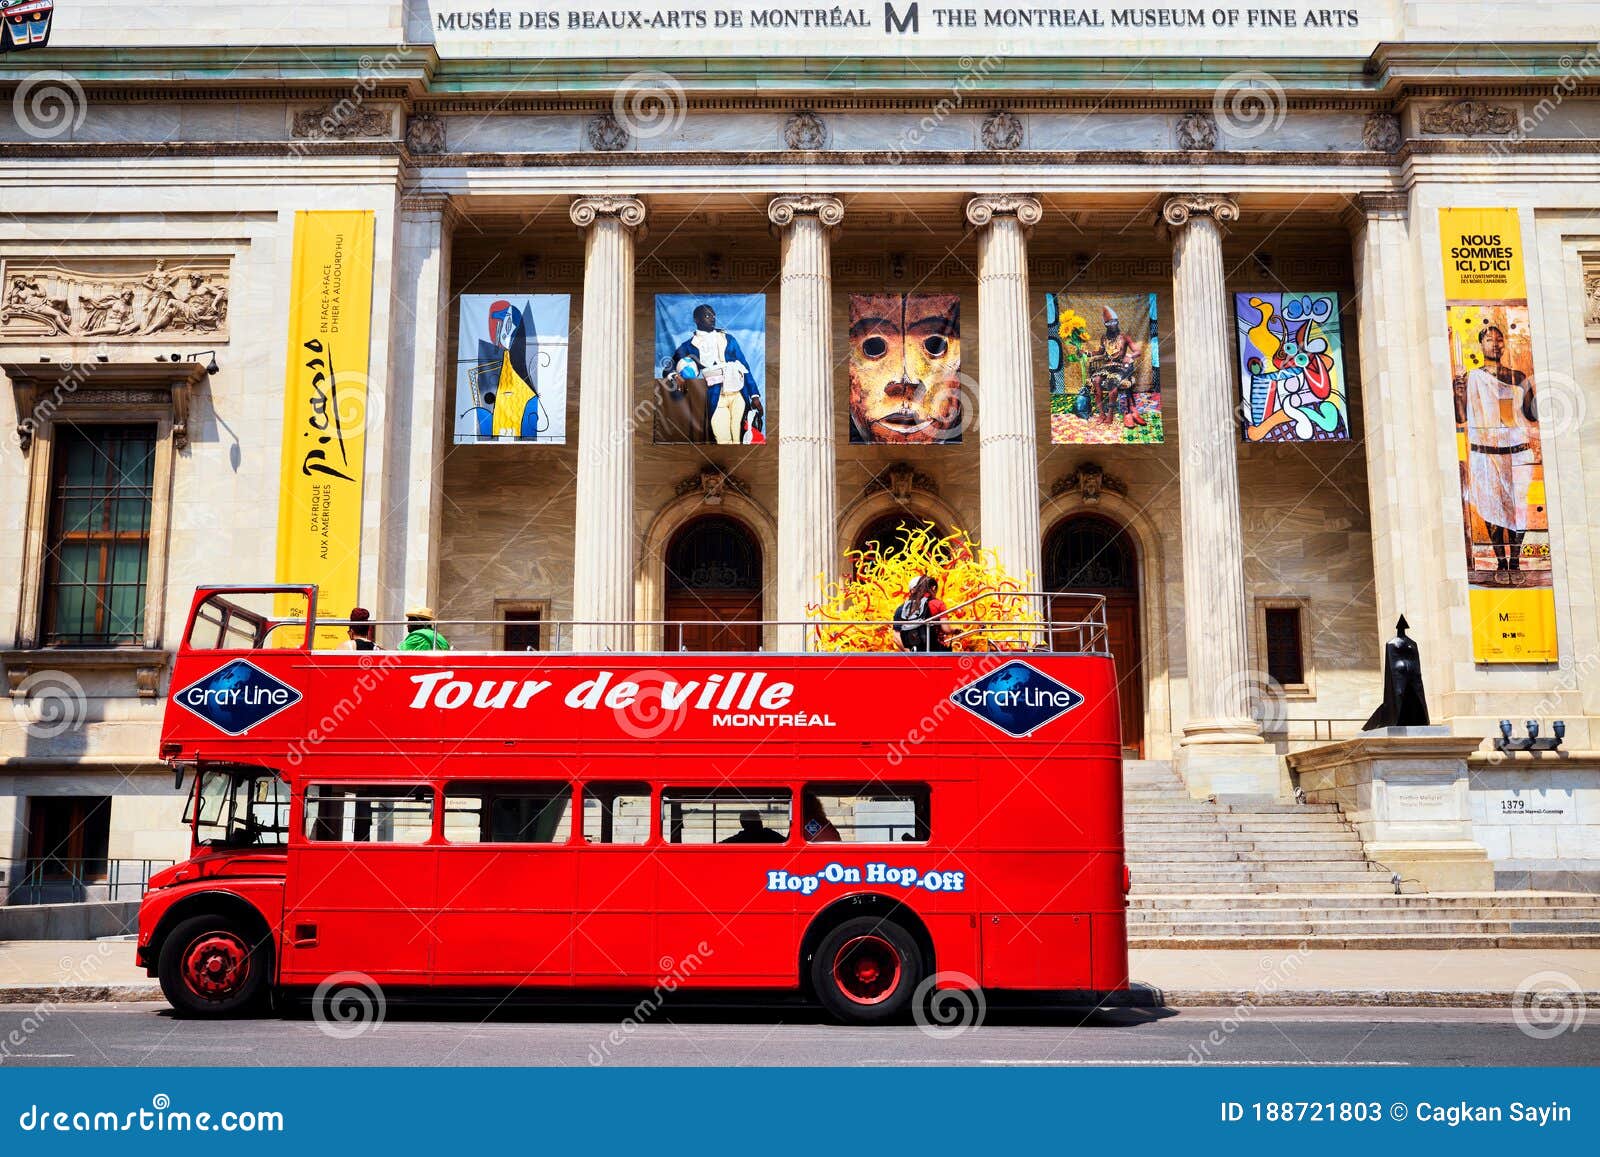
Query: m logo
<point x="237" y="696"/>
<point x="1016" y="698"/>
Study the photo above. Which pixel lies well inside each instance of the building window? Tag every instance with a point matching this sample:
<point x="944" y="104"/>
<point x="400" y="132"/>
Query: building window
<point x="1286" y="662"/>
<point x="102" y="492"/>
<point x="522" y="624"/>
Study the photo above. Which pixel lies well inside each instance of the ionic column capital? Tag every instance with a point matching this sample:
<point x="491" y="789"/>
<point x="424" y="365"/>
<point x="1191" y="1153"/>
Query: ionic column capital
<point x="1179" y="210"/>
<point x="785" y="207"/>
<point x="630" y="211"/>
<point x="985" y="207"/>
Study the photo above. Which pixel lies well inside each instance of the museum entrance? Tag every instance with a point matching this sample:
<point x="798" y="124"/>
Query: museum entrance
<point x="713" y="588"/>
<point x="1088" y="554"/>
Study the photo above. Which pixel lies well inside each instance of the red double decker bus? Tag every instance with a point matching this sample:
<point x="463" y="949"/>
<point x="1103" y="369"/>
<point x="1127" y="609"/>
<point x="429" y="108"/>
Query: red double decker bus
<point x="862" y="827"/>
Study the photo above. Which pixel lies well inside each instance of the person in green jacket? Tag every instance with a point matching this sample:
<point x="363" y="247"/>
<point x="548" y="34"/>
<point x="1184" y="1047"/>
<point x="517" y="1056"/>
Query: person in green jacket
<point x="421" y="634"/>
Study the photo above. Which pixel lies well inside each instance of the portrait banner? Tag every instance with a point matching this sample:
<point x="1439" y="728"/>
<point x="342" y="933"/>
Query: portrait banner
<point x="1105" y="368"/>
<point x="1505" y="523"/>
<point x="1291" y="367"/>
<point x="711" y="368"/>
<point x="325" y="413"/>
<point x="905" y="365"/>
<point x="511" y="368"/>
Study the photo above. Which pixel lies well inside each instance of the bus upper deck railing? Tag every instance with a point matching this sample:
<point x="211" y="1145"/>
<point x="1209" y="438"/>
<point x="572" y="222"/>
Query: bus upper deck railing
<point x="993" y="621"/>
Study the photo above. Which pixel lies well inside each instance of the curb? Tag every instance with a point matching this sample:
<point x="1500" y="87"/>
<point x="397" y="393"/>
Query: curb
<point x="41" y="994"/>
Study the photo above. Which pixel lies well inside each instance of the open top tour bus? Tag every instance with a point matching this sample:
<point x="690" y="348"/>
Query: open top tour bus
<point x="863" y="827"/>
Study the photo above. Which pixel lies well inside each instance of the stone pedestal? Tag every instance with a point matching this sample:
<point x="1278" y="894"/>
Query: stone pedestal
<point x="602" y="567"/>
<point x="808" y="551"/>
<point x="1008" y="452"/>
<point x="1405" y="790"/>
<point x="1222" y="752"/>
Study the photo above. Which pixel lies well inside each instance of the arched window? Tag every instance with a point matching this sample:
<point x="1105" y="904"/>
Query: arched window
<point x="713" y="581"/>
<point x="1089" y="553"/>
<point x="889" y="531"/>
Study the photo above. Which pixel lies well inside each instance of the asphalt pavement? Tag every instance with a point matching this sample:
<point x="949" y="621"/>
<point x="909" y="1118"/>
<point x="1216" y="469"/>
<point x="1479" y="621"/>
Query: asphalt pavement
<point x="147" y="1034"/>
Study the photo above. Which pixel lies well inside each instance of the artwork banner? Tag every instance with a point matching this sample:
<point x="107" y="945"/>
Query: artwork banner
<point x="1291" y="367"/>
<point x="711" y="368"/>
<point x="325" y="412"/>
<point x="1505" y="520"/>
<point x="1105" y="368"/>
<point x="905" y="365"/>
<point x="511" y="368"/>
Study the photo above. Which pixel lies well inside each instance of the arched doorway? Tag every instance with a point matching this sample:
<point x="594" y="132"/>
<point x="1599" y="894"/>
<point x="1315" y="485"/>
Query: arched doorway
<point x="1087" y="554"/>
<point x="713" y="595"/>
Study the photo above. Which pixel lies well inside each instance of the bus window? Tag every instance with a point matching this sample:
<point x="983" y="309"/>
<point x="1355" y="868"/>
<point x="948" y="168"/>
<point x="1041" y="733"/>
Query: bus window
<point x="367" y="814"/>
<point x="616" y="813"/>
<point x="865" y="813"/>
<point x="507" y="813"/>
<point x="725" y="815"/>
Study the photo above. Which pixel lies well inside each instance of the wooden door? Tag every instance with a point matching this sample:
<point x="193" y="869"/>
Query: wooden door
<point x="729" y="621"/>
<point x="713" y="581"/>
<point x="1122" y="638"/>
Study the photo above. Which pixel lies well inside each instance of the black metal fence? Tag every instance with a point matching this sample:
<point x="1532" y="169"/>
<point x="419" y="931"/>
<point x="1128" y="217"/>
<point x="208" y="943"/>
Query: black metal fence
<point x="61" y="880"/>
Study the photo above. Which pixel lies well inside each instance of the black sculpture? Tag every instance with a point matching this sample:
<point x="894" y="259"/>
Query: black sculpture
<point x="1404" y="702"/>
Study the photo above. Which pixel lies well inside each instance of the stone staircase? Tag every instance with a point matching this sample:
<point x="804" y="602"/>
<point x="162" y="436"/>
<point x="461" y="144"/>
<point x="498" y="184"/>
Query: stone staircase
<point x="1276" y="875"/>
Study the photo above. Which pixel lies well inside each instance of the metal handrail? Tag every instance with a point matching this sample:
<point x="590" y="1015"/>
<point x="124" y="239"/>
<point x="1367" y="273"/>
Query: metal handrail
<point x="1038" y="633"/>
<point x="77" y="876"/>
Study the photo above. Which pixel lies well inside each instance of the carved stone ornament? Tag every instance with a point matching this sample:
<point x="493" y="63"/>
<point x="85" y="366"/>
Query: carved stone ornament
<point x="1380" y="132"/>
<point x="1177" y="211"/>
<point x="1470" y="118"/>
<point x="607" y="134"/>
<point x="57" y="391"/>
<point x="1001" y="131"/>
<point x="341" y="121"/>
<point x="115" y="299"/>
<point x="987" y="206"/>
<point x="899" y="481"/>
<point x="1591" y="296"/>
<point x="1197" y="132"/>
<point x="425" y="134"/>
<point x="785" y="207"/>
<point x="1089" y="481"/>
<point x="805" y="131"/>
<point x="629" y="210"/>
<point x="712" y="483"/>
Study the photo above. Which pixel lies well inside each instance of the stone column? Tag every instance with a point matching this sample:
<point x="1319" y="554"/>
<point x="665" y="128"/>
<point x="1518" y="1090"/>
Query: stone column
<point x="1008" y="454"/>
<point x="808" y="550"/>
<point x="1222" y="747"/>
<point x="1396" y="412"/>
<point x="602" y="570"/>
<point x="418" y="425"/>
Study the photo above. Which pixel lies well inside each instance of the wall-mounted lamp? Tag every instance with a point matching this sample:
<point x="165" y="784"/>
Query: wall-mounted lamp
<point x="211" y="366"/>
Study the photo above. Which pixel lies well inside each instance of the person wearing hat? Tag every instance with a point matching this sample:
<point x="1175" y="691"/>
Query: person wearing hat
<point x="360" y="631"/>
<point x="421" y="634"/>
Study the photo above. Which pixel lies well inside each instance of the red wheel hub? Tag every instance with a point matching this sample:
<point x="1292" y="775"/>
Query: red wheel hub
<point x="866" y="969"/>
<point x="216" y="965"/>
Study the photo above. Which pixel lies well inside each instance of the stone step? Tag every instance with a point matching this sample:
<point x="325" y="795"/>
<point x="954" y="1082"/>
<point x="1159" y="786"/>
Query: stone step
<point x="1240" y="923"/>
<point x="1378" y="886"/>
<point x="1439" y="941"/>
<point x="1231" y="854"/>
<point x="1557" y="901"/>
<point x="1343" y="927"/>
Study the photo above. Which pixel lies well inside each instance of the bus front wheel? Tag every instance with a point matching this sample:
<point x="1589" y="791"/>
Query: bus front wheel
<point x="210" y="967"/>
<point x="867" y="970"/>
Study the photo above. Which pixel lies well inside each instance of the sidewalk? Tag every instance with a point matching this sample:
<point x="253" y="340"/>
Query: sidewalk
<point x="32" y="971"/>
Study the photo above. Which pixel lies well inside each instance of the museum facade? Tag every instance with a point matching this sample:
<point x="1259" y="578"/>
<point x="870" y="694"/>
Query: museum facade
<point x="1268" y="330"/>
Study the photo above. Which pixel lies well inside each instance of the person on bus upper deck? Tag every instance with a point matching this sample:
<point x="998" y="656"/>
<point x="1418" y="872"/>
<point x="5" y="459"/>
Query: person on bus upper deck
<point x="815" y="823"/>
<point x="360" y="631"/>
<point x="421" y="634"/>
<point x="753" y="831"/>
<point x="918" y="622"/>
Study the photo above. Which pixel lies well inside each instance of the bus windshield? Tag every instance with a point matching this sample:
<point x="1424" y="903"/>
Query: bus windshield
<point x="240" y="807"/>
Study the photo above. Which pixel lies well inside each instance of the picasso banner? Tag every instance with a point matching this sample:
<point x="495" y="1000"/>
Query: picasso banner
<point x="1505" y="525"/>
<point x="325" y="410"/>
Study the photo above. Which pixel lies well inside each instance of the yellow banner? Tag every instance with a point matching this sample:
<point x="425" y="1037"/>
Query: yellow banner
<point x="324" y="412"/>
<point x="1505" y="525"/>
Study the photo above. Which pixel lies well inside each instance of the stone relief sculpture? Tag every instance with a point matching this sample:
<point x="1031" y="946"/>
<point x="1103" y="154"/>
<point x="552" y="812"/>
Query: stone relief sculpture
<point x="1380" y="132"/>
<point x="1197" y="132"/>
<point x="114" y="297"/>
<point x="1001" y="131"/>
<point x="1469" y="118"/>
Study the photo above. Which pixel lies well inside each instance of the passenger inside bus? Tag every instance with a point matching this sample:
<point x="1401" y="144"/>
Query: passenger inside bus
<point x="753" y="831"/>
<point x="817" y="826"/>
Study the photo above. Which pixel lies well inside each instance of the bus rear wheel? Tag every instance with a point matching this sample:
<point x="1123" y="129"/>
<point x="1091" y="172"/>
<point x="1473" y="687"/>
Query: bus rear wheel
<point x="866" y="971"/>
<point x="210" y="967"/>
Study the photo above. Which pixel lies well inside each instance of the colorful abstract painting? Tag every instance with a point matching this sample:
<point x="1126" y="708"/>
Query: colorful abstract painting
<point x="1105" y="368"/>
<point x="1291" y="365"/>
<point x="711" y="368"/>
<point x="511" y="369"/>
<point x="905" y="364"/>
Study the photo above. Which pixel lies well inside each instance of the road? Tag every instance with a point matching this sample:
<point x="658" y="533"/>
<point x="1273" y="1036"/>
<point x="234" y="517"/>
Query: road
<point x="148" y="1034"/>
